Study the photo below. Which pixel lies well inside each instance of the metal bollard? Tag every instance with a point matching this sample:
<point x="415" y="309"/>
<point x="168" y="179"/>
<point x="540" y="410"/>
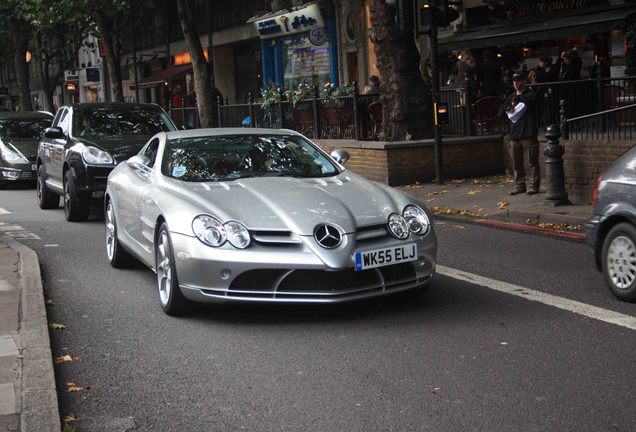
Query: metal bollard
<point x="554" y="173"/>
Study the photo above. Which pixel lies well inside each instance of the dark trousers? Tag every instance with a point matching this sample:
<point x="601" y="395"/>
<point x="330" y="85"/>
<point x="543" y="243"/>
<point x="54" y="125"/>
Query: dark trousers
<point x="533" y="155"/>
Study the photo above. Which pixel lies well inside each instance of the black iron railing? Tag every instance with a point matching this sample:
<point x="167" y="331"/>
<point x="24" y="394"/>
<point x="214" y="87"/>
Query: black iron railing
<point x="616" y="123"/>
<point x="472" y="110"/>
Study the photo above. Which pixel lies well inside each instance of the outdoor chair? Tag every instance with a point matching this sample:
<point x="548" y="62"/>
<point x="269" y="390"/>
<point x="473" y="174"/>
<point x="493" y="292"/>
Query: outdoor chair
<point x="486" y="118"/>
<point x="612" y="93"/>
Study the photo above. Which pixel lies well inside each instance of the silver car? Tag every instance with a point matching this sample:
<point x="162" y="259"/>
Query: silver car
<point x="262" y="215"/>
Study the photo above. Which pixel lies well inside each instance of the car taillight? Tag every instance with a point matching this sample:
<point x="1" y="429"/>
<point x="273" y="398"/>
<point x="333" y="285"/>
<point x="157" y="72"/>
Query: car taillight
<point x="595" y="195"/>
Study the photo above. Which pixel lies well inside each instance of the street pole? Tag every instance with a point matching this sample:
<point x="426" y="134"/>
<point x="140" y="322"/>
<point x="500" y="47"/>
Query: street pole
<point x="437" y="135"/>
<point x="134" y="47"/>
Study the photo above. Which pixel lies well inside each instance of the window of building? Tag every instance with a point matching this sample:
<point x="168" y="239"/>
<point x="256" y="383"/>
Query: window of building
<point x="305" y="62"/>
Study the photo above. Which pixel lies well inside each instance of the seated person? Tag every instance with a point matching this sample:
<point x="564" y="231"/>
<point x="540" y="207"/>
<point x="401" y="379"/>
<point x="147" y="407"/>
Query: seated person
<point x="87" y="123"/>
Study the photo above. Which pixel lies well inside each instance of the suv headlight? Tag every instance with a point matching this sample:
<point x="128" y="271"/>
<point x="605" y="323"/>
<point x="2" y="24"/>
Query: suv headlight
<point x="12" y="156"/>
<point x="95" y="156"/>
<point x="416" y="219"/>
<point x="398" y="226"/>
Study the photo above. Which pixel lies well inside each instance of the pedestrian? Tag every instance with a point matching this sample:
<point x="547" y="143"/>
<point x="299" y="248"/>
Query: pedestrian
<point x="571" y="64"/>
<point x="466" y="66"/>
<point x="521" y="109"/>
<point x="546" y="72"/>
<point x="373" y="87"/>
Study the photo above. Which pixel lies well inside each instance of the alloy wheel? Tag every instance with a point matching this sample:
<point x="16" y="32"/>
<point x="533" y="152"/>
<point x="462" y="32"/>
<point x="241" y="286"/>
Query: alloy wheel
<point x="621" y="262"/>
<point x="164" y="268"/>
<point x="110" y="232"/>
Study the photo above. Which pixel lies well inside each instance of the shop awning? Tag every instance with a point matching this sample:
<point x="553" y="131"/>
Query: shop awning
<point x="518" y="33"/>
<point x="165" y="75"/>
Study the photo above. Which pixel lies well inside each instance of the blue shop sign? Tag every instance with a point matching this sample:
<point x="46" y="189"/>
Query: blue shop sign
<point x="298" y="21"/>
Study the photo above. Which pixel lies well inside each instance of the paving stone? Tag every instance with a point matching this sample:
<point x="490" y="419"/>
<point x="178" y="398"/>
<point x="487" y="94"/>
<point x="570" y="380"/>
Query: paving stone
<point x="5" y="286"/>
<point x="7" y="399"/>
<point x="10" y="423"/>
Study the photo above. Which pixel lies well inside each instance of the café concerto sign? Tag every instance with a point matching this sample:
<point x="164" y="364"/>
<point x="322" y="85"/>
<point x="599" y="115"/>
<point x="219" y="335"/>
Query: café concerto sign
<point x="298" y="21"/>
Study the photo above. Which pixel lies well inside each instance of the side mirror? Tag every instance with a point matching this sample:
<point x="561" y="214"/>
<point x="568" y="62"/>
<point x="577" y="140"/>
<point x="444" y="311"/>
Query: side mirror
<point x="54" y="132"/>
<point x="341" y="156"/>
<point x="138" y="161"/>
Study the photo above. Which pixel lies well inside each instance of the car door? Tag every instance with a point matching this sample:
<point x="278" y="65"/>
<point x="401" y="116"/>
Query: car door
<point x="130" y="213"/>
<point x="58" y="149"/>
<point x="46" y="152"/>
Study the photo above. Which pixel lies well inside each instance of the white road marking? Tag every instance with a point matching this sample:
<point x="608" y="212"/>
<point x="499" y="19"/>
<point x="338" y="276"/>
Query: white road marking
<point x="563" y="303"/>
<point x="3" y="211"/>
<point x="17" y="232"/>
<point x="51" y="245"/>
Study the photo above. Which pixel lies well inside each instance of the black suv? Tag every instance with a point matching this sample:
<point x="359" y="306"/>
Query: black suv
<point x="84" y="144"/>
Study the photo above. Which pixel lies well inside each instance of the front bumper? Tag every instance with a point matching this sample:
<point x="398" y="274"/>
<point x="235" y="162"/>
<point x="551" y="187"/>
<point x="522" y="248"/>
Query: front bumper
<point x="90" y="183"/>
<point x="292" y="274"/>
<point x="591" y="236"/>
<point x="18" y="172"/>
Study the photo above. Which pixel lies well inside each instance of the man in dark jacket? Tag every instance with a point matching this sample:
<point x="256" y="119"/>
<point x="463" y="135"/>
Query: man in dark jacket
<point x="521" y="109"/>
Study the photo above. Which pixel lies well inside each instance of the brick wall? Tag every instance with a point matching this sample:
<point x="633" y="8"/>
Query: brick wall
<point x="583" y="162"/>
<point x="398" y="163"/>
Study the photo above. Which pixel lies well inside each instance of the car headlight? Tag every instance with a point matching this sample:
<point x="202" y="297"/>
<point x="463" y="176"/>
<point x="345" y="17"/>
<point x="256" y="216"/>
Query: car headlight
<point x="416" y="219"/>
<point x="237" y="234"/>
<point x="95" y="156"/>
<point x="12" y="156"/>
<point x="398" y="226"/>
<point x="209" y="230"/>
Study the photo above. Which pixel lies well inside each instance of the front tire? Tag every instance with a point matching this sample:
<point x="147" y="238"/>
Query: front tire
<point x="118" y="257"/>
<point x="47" y="200"/>
<point x="170" y="297"/>
<point x="73" y="210"/>
<point x="619" y="261"/>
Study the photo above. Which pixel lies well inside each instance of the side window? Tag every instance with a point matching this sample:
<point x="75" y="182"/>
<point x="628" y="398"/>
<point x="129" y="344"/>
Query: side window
<point x="151" y="151"/>
<point x="64" y="121"/>
<point x="58" y="116"/>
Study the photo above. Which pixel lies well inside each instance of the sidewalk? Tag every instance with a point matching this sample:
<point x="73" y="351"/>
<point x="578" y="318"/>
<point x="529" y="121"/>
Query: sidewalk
<point x="28" y="401"/>
<point x="487" y="201"/>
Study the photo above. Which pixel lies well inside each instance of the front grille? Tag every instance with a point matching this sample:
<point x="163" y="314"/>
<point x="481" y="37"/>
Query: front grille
<point x="100" y="172"/>
<point x="372" y="232"/>
<point x="276" y="238"/>
<point x="27" y="175"/>
<point x="318" y="285"/>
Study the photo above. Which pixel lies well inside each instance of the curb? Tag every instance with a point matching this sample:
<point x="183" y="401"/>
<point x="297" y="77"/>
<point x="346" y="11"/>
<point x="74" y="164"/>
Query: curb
<point x="39" y="406"/>
<point x="510" y="226"/>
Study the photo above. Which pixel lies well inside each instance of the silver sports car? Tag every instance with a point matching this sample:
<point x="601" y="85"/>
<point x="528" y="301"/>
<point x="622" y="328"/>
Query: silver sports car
<point x="262" y="215"/>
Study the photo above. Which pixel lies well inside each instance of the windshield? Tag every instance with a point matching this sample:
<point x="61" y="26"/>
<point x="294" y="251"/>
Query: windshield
<point x="223" y="158"/>
<point x="23" y="128"/>
<point x="117" y="121"/>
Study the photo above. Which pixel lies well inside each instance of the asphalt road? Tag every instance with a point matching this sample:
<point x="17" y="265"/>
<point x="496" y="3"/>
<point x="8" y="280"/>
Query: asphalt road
<point x="463" y="358"/>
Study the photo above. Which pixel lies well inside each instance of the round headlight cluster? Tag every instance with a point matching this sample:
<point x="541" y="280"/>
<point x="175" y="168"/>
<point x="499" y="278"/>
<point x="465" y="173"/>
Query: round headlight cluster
<point x="213" y="233"/>
<point x="413" y="220"/>
<point x="417" y="219"/>
<point x="398" y="226"/>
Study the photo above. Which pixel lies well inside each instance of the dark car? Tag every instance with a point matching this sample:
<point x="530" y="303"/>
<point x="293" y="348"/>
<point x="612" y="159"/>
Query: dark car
<point x="20" y="133"/>
<point x="611" y="232"/>
<point x="84" y="144"/>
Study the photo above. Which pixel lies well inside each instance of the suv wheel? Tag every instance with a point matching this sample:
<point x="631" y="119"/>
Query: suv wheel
<point x="46" y="199"/>
<point x="619" y="261"/>
<point x="73" y="211"/>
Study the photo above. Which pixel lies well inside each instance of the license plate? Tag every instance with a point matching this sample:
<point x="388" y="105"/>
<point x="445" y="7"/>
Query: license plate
<point x="34" y="167"/>
<point x="385" y="256"/>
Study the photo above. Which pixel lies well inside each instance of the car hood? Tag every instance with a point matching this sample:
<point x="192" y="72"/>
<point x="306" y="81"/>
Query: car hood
<point x="295" y="204"/>
<point x="27" y="147"/>
<point x="119" y="147"/>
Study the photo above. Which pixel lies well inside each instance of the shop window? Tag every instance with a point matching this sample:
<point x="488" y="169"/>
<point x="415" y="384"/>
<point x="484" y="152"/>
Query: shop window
<point x="305" y="62"/>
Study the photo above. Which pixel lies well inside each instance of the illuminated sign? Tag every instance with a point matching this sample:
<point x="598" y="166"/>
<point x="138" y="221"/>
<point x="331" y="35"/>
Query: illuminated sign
<point x="185" y="57"/>
<point x="298" y="21"/>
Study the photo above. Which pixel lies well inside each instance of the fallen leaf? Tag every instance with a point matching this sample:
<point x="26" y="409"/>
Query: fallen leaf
<point x="50" y="302"/>
<point x="455" y="212"/>
<point x="436" y="389"/>
<point x="65" y="358"/>
<point x="70" y="418"/>
<point x="70" y="383"/>
<point x="458" y="226"/>
<point x="457" y="181"/>
<point x="56" y="326"/>
<point x="74" y="389"/>
<point x="502" y="204"/>
<point x="474" y="192"/>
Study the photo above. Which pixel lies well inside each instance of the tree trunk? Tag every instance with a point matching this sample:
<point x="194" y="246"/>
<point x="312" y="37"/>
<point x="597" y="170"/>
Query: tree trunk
<point x="47" y="102"/>
<point x="202" y="84"/>
<point x="406" y="101"/>
<point x="113" y="57"/>
<point x="21" y="39"/>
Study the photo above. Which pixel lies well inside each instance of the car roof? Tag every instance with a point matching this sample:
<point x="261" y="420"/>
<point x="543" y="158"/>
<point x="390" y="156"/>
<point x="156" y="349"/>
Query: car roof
<point x="25" y="115"/>
<point x="196" y="133"/>
<point x="124" y="105"/>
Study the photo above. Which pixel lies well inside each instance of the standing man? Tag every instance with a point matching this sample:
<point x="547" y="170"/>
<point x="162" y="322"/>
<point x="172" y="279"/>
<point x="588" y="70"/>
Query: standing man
<point x="521" y="109"/>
